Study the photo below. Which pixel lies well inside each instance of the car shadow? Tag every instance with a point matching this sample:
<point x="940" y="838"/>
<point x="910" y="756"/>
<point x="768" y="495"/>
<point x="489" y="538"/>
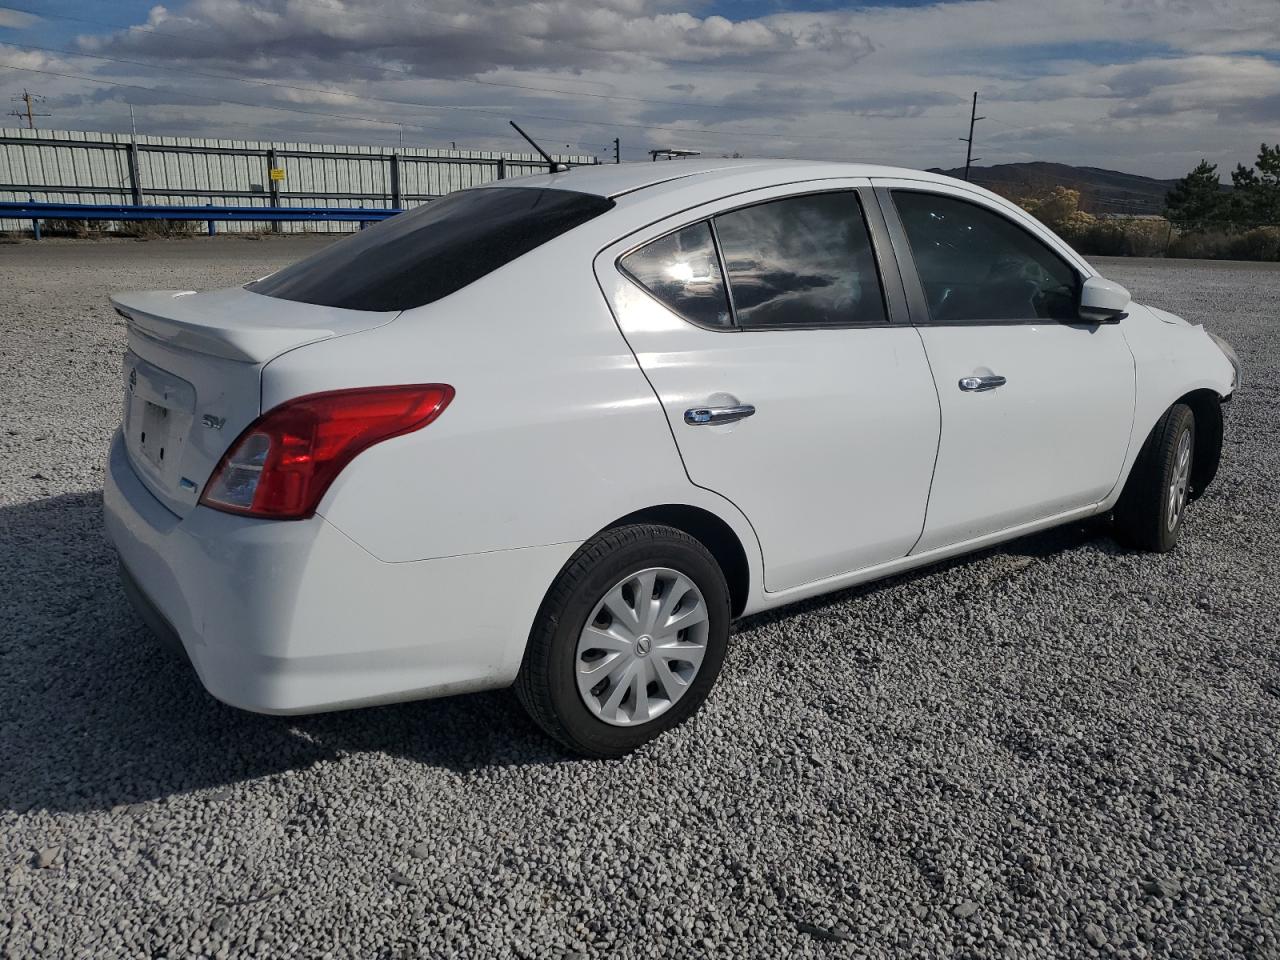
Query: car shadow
<point x="95" y="713"/>
<point x="1035" y="546"/>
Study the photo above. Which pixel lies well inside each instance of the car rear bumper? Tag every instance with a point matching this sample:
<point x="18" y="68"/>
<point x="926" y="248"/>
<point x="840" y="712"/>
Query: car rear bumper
<point x="294" y="617"/>
<point x="150" y="613"/>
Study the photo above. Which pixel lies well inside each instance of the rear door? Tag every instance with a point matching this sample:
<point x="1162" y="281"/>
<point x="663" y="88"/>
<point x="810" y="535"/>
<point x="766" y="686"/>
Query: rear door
<point x="775" y="338"/>
<point x="1036" y="406"/>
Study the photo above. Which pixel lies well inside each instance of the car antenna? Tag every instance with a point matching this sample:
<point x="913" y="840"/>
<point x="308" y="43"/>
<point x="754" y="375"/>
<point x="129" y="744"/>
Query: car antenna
<point x="555" y="167"/>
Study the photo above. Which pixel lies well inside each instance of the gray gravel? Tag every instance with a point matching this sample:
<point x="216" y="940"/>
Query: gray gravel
<point x="1058" y="748"/>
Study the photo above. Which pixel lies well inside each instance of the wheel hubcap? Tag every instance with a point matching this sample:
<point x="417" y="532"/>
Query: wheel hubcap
<point x="642" y="646"/>
<point x="1181" y="482"/>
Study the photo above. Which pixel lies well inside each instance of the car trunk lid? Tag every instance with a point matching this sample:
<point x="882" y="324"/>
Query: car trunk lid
<point x="193" y="374"/>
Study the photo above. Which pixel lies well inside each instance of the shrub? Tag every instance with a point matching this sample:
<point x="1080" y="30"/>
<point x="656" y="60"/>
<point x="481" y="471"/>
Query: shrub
<point x="157" y="229"/>
<point x="1260" y="243"/>
<point x="71" y="228"/>
<point x="1201" y="244"/>
<point x="1225" y="243"/>
<point x="1123" y="238"/>
<point x="1059" y="207"/>
<point x="1059" y="210"/>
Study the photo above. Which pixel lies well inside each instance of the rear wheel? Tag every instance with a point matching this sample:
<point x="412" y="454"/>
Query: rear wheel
<point x="629" y="640"/>
<point x="1153" y="506"/>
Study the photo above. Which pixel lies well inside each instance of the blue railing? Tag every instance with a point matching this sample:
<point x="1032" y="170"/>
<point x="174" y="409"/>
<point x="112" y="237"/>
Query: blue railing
<point x="35" y="211"/>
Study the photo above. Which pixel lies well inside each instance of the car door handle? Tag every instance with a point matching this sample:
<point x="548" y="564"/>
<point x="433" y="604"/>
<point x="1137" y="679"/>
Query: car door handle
<point x="697" y="416"/>
<point x="980" y="384"/>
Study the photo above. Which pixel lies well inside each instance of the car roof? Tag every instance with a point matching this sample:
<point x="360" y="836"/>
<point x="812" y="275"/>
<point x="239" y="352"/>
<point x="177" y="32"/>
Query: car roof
<point x="645" y="194"/>
<point x="618" y="179"/>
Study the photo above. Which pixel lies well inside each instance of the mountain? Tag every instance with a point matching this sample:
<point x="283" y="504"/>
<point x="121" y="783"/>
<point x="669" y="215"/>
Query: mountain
<point x="1101" y="191"/>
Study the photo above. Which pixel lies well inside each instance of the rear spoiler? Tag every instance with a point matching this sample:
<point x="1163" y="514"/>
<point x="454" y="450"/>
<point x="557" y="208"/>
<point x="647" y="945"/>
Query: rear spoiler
<point x="236" y="324"/>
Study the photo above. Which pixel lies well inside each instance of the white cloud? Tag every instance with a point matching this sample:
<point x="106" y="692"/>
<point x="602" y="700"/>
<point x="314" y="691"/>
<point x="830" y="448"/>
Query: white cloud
<point x="16" y="19"/>
<point x="1136" y="84"/>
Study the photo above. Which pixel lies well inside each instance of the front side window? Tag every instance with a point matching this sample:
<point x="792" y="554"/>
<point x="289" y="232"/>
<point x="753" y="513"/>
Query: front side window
<point x="801" y="262"/>
<point x="682" y="271"/>
<point x="425" y="254"/>
<point x="977" y="265"/>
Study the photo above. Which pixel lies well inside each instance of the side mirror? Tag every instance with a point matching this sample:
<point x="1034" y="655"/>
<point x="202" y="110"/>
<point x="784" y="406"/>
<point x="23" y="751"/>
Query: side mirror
<point x="1103" y="301"/>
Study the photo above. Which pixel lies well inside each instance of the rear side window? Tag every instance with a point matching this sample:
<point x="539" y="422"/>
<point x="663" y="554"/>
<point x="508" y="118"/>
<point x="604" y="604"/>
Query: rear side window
<point x="977" y="265"/>
<point x="802" y="261"/>
<point x="428" y="253"/>
<point x="683" y="272"/>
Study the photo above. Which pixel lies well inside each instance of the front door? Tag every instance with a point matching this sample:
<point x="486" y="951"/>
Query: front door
<point x="1036" y="406"/>
<point x="763" y="325"/>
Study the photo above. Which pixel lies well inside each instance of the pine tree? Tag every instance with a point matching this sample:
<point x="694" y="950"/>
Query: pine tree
<point x="1255" y="195"/>
<point x="1196" y="199"/>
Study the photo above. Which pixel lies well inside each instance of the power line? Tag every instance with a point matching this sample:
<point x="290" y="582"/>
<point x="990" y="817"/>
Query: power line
<point x="241" y="103"/>
<point x="263" y="106"/>
<point x="1012" y="126"/>
<point x="27" y="99"/>
<point x="475" y="111"/>
<point x="197" y="96"/>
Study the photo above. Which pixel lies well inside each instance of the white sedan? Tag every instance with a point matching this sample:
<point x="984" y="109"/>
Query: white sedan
<point x="560" y="431"/>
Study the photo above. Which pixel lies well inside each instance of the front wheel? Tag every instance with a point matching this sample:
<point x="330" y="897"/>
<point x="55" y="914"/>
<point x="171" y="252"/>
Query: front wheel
<point x="1153" y="506"/>
<point x="628" y="642"/>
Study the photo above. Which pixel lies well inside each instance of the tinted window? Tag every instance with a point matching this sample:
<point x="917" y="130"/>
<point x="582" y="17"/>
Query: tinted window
<point x="975" y="264"/>
<point x="682" y="270"/>
<point x="803" y="261"/>
<point x="427" y="253"/>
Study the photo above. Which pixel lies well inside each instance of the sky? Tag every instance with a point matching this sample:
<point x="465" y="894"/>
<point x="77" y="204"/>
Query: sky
<point x="1142" y="86"/>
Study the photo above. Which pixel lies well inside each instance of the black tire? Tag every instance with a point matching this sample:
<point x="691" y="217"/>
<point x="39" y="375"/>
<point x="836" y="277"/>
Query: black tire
<point x="547" y="683"/>
<point x="1144" y="516"/>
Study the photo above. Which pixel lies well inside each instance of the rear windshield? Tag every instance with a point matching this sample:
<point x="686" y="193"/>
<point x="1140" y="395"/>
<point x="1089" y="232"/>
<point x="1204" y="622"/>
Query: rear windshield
<point x="429" y="252"/>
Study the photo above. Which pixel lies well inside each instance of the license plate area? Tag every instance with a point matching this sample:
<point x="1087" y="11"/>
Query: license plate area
<point x="158" y="409"/>
<point x="153" y="433"/>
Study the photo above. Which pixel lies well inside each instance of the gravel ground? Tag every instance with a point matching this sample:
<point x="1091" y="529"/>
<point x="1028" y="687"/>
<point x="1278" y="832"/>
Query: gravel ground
<point x="1057" y="748"/>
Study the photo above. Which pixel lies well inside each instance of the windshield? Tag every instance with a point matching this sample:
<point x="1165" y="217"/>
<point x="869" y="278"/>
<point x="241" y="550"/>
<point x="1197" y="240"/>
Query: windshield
<point x="428" y="253"/>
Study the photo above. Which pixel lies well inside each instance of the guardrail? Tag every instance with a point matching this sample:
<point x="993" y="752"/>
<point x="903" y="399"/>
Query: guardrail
<point x="35" y="211"/>
<point x="73" y="169"/>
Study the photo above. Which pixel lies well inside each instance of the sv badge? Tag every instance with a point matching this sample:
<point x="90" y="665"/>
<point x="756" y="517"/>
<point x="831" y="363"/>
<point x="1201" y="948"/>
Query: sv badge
<point x="212" y="422"/>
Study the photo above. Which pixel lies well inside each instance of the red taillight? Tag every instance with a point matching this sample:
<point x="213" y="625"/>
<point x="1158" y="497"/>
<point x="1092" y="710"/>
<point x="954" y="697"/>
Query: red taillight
<point x="285" y="460"/>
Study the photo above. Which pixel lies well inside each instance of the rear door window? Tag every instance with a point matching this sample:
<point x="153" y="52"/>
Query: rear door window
<point x="427" y="253"/>
<point x="682" y="271"/>
<point x="804" y="261"/>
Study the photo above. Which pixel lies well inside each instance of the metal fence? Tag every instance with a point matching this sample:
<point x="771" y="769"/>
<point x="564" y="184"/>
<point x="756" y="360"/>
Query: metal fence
<point x="69" y="167"/>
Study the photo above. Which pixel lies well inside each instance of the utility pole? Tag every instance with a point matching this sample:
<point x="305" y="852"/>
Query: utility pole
<point x="969" y="158"/>
<point x="28" y="99"/>
<point x="132" y="123"/>
<point x="617" y="151"/>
